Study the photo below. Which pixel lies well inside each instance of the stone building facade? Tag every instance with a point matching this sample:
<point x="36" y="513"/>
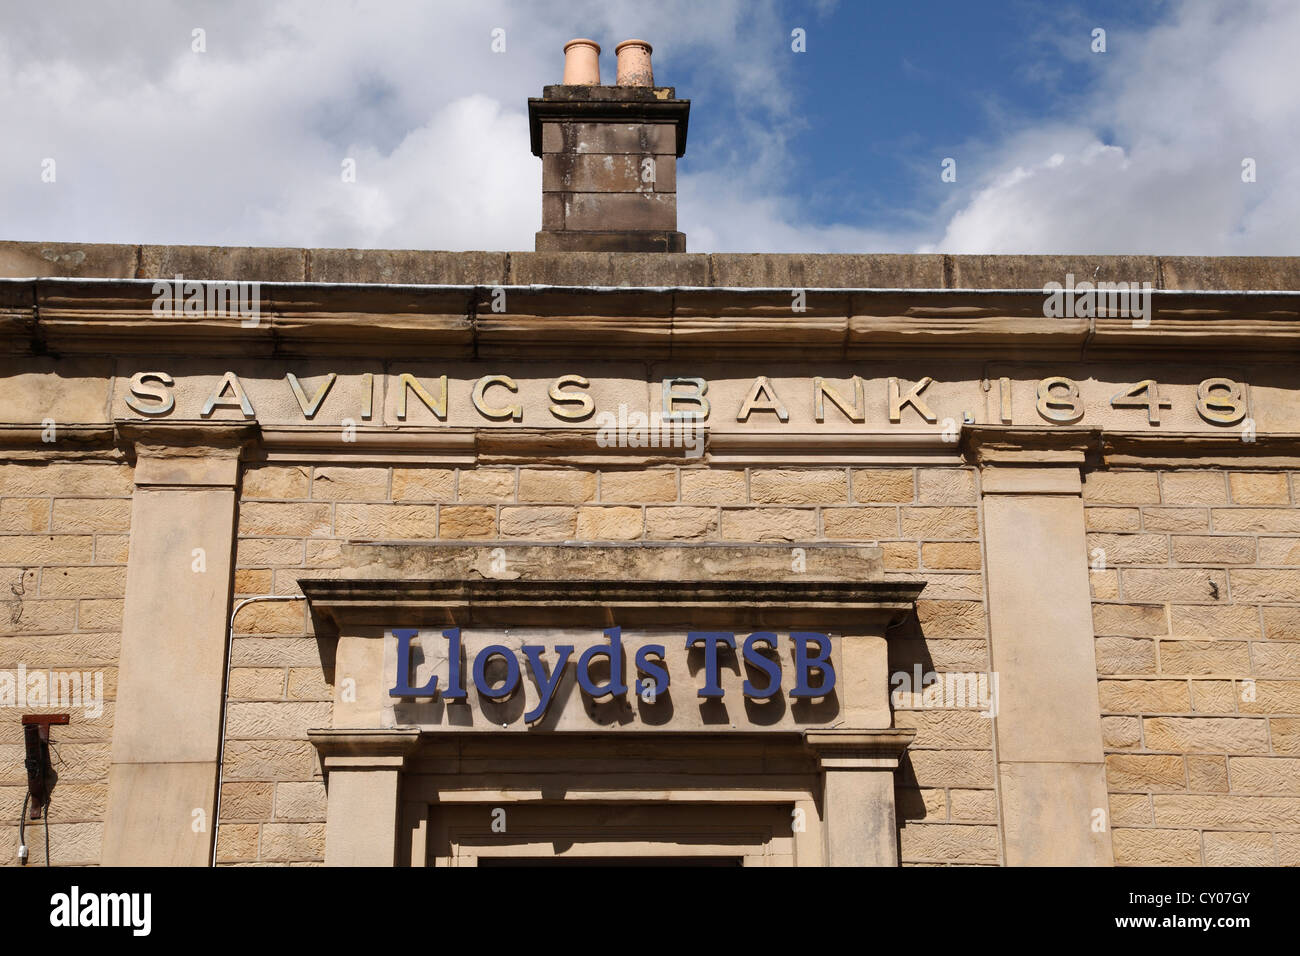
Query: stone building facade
<point x="1025" y="577"/>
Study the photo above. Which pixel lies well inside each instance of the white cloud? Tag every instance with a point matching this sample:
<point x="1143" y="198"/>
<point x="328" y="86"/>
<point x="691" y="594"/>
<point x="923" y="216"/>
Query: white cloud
<point x="1187" y="102"/>
<point x="243" y="144"/>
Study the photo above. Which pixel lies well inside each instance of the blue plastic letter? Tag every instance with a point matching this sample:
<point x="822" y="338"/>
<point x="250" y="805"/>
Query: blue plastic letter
<point x="614" y="652"/>
<point x="546" y="687"/>
<point x="654" y="670"/>
<point x="481" y="682"/>
<point x="455" y="688"/>
<point x="403" y="686"/>
<point x="802" y="664"/>
<point x="769" y="667"/>
<point x="711" y="641"/>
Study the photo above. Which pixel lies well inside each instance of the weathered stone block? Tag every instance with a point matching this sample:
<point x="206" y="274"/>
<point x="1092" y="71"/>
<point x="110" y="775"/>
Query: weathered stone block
<point x="873" y="485"/>
<point x="860" y="523"/>
<point x="1156" y="847"/>
<point x="945" y="486"/>
<point x="467" y="521"/>
<point x="546" y="524"/>
<point x="939" y="523"/>
<point x="486" y="485"/>
<point x="713" y="487"/>
<point x="1206" y="734"/>
<point x="638" y="487"/>
<point x="1259" y="488"/>
<point x="610" y="524"/>
<point x="276" y="481"/>
<point x="556" y="485"/>
<point x="1193" y="488"/>
<point x="769" y="524"/>
<point x="1213" y="549"/>
<point x="1145" y="772"/>
<point x="799" y="487"/>
<point x="1121" y="487"/>
<point x="1128" y="620"/>
<point x="1204" y="657"/>
<point x="386" y="521"/>
<point x="266" y="518"/>
<point x="349" y="484"/>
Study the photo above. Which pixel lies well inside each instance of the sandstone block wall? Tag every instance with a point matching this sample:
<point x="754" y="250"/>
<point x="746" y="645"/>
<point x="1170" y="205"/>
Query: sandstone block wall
<point x="1195" y="577"/>
<point x="64" y="529"/>
<point x="293" y="518"/>
<point x="1197" y="618"/>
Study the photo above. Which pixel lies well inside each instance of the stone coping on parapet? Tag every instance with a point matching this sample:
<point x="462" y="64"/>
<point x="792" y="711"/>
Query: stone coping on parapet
<point x="24" y="260"/>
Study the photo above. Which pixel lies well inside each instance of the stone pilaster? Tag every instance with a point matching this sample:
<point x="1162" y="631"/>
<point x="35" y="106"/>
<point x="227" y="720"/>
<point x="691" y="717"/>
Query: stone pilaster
<point x="363" y="774"/>
<point x="167" y="728"/>
<point x="1051" y="774"/>
<point x="859" y="818"/>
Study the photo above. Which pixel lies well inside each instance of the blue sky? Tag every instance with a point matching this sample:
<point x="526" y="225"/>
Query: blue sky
<point x="837" y="149"/>
<point x="890" y="89"/>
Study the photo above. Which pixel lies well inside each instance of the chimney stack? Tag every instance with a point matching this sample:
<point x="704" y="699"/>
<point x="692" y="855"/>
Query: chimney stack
<point x="609" y="155"/>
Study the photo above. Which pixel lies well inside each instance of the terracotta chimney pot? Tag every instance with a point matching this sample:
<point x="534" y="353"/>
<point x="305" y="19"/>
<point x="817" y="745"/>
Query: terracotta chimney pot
<point x="634" y="63"/>
<point x="582" y="63"/>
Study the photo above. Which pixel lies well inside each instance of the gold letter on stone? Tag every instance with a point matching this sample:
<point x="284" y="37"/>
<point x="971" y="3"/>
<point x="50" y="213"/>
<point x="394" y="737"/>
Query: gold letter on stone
<point x="762" y="398"/>
<point x="368" y="399"/>
<point x="913" y="398"/>
<point x="1064" y="407"/>
<point x="562" y="398"/>
<point x="309" y="409"/>
<point x="408" y="381"/>
<point x="1221" y="401"/>
<point x="1127" y="398"/>
<point x="515" y="412"/>
<point x="237" y="397"/>
<point x="857" y="412"/>
<point x="670" y="397"/>
<point x="166" y="402"/>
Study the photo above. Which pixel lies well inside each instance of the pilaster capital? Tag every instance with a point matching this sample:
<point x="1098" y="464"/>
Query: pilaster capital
<point x="842" y="749"/>
<point x="364" y="749"/>
<point x="186" y="453"/>
<point x="985" y="445"/>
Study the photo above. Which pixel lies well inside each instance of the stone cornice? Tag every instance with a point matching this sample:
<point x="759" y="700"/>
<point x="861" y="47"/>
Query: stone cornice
<point x="91" y="316"/>
<point x="856" y="606"/>
<point x="1199" y="450"/>
<point x="1079" y="447"/>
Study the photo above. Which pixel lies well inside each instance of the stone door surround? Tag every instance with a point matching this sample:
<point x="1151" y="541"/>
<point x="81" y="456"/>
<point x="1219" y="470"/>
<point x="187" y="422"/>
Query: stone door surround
<point x="384" y="773"/>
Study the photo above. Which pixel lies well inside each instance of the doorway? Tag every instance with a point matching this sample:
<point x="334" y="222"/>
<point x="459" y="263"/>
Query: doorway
<point x="610" y="834"/>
